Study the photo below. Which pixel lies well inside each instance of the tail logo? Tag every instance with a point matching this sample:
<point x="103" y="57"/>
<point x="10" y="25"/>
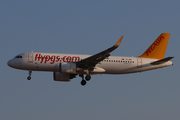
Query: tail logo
<point x="154" y="45"/>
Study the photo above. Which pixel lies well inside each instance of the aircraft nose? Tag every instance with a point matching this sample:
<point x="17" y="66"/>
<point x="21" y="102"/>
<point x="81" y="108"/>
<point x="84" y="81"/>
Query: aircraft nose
<point x="9" y="63"/>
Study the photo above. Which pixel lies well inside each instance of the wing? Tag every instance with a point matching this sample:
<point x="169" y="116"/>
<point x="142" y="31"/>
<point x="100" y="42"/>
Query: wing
<point x="90" y="62"/>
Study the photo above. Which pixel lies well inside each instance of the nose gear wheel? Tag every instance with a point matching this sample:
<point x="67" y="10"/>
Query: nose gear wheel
<point x="29" y="77"/>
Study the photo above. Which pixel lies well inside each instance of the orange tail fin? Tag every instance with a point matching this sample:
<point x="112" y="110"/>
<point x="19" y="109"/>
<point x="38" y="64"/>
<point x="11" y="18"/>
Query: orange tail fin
<point x="158" y="48"/>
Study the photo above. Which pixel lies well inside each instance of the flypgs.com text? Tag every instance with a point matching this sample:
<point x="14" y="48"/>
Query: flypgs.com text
<point x="54" y="58"/>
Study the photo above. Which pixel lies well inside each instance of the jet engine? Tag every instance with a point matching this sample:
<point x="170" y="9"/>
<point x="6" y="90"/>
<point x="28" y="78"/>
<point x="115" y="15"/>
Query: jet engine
<point x="63" y="76"/>
<point x="68" y="68"/>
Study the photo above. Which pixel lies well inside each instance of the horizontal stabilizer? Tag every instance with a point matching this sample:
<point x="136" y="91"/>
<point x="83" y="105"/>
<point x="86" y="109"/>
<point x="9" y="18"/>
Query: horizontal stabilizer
<point x="161" y="61"/>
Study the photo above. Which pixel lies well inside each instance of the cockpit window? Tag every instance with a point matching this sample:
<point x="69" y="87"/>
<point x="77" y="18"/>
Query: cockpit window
<point x="18" y="57"/>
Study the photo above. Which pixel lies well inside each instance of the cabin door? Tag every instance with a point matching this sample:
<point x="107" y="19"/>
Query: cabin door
<point x="139" y="62"/>
<point x="30" y="57"/>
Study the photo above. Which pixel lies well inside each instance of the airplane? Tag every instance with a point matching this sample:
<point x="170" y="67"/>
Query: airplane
<point x="68" y="66"/>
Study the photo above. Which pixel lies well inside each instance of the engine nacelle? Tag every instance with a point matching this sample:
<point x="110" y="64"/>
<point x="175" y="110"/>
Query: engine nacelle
<point x="67" y="68"/>
<point x="61" y="77"/>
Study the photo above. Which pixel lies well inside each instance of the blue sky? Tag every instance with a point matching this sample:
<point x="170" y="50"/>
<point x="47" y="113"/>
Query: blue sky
<point x="88" y="27"/>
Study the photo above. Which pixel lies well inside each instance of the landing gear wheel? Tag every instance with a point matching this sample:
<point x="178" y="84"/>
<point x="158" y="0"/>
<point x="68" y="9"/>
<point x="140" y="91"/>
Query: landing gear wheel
<point x="88" y="77"/>
<point x="83" y="82"/>
<point x="29" y="77"/>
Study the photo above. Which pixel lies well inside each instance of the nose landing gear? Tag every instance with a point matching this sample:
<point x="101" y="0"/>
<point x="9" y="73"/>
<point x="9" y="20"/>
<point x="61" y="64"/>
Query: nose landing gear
<point x="29" y="77"/>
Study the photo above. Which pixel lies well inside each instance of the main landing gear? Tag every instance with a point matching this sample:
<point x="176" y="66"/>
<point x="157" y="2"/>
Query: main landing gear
<point x="83" y="82"/>
<point x="29" y="77"/>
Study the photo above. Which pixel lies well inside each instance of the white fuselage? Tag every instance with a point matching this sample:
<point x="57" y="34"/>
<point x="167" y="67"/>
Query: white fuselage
<point x="110" y="65"/>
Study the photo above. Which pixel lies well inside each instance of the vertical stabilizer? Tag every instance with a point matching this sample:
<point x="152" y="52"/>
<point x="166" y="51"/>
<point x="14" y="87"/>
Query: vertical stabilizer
<point x="158" y="48"/>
